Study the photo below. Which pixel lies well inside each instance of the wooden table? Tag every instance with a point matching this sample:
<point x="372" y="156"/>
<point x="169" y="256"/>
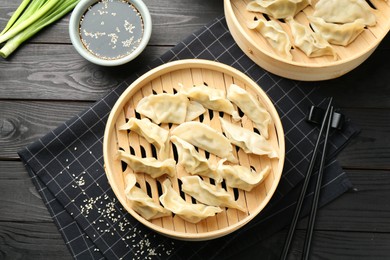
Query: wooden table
<point x="46" y="82"/>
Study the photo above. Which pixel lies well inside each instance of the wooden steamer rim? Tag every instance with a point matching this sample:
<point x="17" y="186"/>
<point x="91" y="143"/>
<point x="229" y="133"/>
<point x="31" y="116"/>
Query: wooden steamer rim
<point x="165" y="78"/>
<point x="302" y="67"/>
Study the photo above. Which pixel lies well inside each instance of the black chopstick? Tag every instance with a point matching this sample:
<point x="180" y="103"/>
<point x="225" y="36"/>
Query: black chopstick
<point x="314" y="207"/>
<point x="305" y="184"/>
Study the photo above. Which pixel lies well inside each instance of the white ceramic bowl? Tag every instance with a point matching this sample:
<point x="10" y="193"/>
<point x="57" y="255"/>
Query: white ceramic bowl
<point x="74" y="33"/>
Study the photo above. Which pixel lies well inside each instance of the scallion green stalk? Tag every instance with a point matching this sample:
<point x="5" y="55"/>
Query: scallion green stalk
<point x="16" y="15"/>
<point x="30" y="10"/>
<point x="30" y="20"/>
<point x="57" y="10"/>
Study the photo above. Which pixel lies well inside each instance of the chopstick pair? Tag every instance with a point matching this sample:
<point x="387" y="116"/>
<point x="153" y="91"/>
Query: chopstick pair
<point x="325" y="126"/>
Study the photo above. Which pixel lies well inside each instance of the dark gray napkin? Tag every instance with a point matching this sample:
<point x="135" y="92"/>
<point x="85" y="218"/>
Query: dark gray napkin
<point x="66" y="166"/>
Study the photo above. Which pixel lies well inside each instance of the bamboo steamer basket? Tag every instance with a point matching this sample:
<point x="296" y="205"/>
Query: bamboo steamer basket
<point x="302" y="67"/>
<point x="166" y="78"/>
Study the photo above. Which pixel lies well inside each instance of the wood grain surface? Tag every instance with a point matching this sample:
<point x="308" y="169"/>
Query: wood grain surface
<point x="46" y="75"/>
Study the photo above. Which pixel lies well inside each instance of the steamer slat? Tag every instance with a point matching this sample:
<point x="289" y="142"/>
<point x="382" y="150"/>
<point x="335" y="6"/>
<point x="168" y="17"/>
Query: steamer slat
<point x="165" y="79"/>
<point x="256" y="47"/>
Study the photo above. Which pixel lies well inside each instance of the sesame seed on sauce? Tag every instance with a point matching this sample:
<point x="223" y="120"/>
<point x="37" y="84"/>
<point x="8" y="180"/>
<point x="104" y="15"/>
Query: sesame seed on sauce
<point x="111" y="29"/>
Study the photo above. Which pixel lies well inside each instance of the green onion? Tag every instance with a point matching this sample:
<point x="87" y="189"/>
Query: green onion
<point x="37" y="15"/>
<point x="31" y="9"/>
<point x="15" y="15"/>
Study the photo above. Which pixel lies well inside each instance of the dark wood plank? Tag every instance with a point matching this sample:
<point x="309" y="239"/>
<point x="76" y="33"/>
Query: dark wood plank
<point x="58" y="72"/>
<point x="39" y="241"/>
<point x="21" y="123"/>
<point x="23" y="204"/>
<point x="352" y="220"/>
<point x="42" y="241"/>
<point x="50" y="68"/>
<point x="325" y="245"/>
<point x="363" y="209"/>
<point x="24" y="122"/>
<point x="370" y="149"/>
<point x="365" y="86"/>
<point x="172" y="20"/>
<point x="346" y="245"/>
<point x="47" y="68"/>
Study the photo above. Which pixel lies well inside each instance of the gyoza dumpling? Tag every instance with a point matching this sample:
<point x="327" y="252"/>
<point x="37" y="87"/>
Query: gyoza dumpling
<point x="251" y="107"/>
<point x="247" y="140"/>
<point x="193" y="213"/>
<point x="339" y="34"/>
<point x="164" y="108"/>
<point x="211" y="98"/>
<point x="208" y="194"/>
<point x="345" y="11"/>
<point x="149" y="165"/>
<point x="141" y="202"/>
<point x="278" y="9"/>
<point x="275" y="36"/>
<point x="241" y="177"/>
<point x="206" y="138"/>
<point x="192" y="161"/>
<point x="151" y="132"/>
<point x="311" y="43"/>
<point x="194" y="110"/>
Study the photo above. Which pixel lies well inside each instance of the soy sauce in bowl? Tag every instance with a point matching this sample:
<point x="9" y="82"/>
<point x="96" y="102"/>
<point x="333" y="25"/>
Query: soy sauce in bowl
<point x="110" y="32"/>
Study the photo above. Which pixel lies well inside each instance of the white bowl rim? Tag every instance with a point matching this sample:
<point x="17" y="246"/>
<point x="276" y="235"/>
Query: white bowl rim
<point x="74" y="21"/>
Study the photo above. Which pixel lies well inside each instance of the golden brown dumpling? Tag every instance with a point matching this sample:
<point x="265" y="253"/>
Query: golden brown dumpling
<point x="208" y="194"/>
<point x="193" y="213"/>
<point x="193" y="162"/>
<point x="345" y="11"/>
<point x="206" y="138"/>
<point x="339" y="34"/>
<point x="251" y="107"/>
<point x="164" y="108"/>
<point x="149" y="165"/>
<point x="151" y="132"/>
<point x="141" y="202"/>
<point x="311" y="43"/>
<point x="247" y="140"/>
<point x="275" y="36"/>
<point x="278" y="9"/>
<point x="241" y="177"/>
<point x="211" y="98"/>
